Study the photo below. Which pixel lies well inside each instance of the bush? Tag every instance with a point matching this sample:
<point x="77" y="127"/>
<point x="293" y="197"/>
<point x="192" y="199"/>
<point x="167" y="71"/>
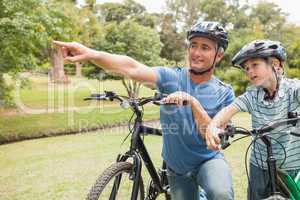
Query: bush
<point x="293" y="73"/>
<point x="5" y="93"/>
<point x="235" y="77"/>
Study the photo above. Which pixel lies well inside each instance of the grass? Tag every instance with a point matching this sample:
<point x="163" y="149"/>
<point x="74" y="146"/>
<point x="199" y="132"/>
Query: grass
<point x="41" y="97"/>
<point x="65" y="167"/>
<point x="20" y="127"/>
<point x="42" y="94"/>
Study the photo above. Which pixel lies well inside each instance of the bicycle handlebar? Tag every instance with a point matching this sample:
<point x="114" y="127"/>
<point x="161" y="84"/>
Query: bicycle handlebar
<point x="230" y="131"/>
<point x="125" y="101"/>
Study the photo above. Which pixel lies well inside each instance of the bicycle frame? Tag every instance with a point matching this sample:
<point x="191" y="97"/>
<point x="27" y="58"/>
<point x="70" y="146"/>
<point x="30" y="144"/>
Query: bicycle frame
<point x="279" y="179"/>
<point x="290" y="185"/>
<point x="139" y="153"/>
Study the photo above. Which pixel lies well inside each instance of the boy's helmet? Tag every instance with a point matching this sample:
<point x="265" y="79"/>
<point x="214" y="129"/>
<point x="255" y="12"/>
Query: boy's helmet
<point x="259" y="49"/>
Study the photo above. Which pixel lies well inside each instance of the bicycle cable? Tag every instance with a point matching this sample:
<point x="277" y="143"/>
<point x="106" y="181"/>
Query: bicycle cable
<point x="246" y="164"/>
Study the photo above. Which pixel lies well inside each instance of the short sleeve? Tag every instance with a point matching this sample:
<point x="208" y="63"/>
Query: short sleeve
<point x="229" y="96"/>
<point x="297" y="91"/>
<point x="243" y="102"/>
<point x="166" y="78"/>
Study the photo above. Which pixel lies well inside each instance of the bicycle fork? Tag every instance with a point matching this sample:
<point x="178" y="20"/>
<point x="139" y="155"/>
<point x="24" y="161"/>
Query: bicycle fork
<point x="134" y="175"/>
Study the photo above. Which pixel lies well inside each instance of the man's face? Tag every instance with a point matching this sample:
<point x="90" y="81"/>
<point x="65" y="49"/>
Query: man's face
<point x="202" y="52"/>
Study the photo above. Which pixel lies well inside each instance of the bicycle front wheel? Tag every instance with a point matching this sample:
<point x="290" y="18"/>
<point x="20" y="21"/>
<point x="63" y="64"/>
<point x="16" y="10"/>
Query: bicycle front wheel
<point x="115" y="184"/>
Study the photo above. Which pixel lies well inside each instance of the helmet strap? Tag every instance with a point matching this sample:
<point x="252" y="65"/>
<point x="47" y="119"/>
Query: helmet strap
<point x="207" y="70"/>
<point x="272" y="96"/>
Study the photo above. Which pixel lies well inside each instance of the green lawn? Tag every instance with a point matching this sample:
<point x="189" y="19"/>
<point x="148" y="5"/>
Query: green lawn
<point x="42" y="97"/>
<point x="65" y="167"/>
<point x="42" y="94"/>
<point x="20" y="127"/>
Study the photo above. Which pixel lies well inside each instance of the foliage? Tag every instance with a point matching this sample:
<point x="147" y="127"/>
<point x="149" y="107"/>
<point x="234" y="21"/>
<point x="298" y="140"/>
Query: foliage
<point x="127" y="28"/>
<point x="235" y="77"/>
<point x="26" y="33"/>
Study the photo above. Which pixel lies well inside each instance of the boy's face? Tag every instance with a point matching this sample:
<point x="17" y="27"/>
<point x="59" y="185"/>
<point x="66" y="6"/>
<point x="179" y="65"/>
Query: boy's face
<point x="202" y="52"/>
<point x="258" y="71"/>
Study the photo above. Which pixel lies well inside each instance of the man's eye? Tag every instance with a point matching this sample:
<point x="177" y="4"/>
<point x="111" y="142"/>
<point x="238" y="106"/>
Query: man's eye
<point x="205" y="48"/>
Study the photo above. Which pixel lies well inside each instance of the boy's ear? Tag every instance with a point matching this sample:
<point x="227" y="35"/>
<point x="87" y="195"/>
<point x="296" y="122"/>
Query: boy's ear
<point x="275" y="62"/>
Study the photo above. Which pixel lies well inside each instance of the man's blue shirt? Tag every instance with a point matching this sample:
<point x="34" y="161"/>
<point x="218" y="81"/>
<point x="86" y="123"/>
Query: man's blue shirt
<point x="183" y="147"/>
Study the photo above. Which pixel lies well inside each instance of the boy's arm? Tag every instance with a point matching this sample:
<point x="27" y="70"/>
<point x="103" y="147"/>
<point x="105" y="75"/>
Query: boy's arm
<point x="223" y="117"/>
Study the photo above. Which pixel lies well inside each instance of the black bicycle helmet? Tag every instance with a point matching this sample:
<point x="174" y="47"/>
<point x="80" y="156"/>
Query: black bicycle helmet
<point x="259" y="49"/>
<point x="211" y="30"/>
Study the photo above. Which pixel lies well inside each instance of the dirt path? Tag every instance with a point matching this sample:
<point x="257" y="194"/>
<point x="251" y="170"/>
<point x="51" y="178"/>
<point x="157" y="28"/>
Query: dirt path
<point x="107" y="129"/>
<point x="36" y="111"/>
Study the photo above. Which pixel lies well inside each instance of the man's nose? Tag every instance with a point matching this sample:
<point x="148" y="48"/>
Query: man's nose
<point x="197" y="52"/>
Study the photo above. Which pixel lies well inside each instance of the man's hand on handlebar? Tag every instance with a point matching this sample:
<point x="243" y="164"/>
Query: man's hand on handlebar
<point x="178" y="98"/>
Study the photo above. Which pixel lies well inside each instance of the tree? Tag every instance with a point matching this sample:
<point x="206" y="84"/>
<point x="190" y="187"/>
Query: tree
<point x="270" y="16"/>
<point x="185" y="12"/>
<point x="26" y="34"/>
<point x="144" y="45"/>
<point x="87" y="30"/>
<point x="117" y="12"/>
<point x="173" y="42"/>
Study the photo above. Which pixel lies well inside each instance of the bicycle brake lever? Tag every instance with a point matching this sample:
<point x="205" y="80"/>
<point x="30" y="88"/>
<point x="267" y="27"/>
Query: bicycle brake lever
<point x="224" y="141"/>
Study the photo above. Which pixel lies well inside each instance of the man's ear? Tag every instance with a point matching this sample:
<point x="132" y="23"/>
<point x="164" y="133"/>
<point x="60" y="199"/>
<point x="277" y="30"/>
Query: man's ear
<point x="219" y="57"/>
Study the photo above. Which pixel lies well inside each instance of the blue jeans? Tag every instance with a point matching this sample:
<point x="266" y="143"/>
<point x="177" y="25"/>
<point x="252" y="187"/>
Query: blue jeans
<point x="212" y="176"/>
<point x="259" y="182"/>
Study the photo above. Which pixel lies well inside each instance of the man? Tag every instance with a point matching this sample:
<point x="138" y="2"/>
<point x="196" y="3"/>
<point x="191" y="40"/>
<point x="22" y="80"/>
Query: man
<point x="190" y="164"/>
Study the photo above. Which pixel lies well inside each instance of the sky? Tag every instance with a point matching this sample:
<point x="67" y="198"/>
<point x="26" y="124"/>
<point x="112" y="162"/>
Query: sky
<point x="291" y="7"/>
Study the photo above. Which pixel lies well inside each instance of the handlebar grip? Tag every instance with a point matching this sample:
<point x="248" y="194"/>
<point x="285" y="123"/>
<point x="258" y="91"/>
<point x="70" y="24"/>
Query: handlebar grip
<point x="160" y="102"/>
<point x="96" y="97"/>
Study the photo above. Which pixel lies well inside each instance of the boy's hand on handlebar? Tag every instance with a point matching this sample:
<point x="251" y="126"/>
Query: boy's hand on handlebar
<point x="178" y="98"/>
<point x="74" y="52"/>
<point x="212" y="139"/>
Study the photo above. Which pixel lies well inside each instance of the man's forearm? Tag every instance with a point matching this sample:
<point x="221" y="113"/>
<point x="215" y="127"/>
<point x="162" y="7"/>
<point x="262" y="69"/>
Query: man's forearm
<point x="202" y="119"/>
<point x="124" y="66"/>
<point x="115" y="63"/>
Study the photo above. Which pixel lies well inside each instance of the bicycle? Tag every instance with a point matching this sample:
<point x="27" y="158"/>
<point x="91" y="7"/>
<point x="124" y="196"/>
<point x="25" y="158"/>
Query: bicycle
<point x="128" y="166"/>
<point x="282" y="185"/>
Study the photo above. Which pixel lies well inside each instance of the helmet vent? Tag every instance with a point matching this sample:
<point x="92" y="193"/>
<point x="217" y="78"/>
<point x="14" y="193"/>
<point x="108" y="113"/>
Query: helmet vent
<point x="274" y="46"/>
<point x="257" y="44"/>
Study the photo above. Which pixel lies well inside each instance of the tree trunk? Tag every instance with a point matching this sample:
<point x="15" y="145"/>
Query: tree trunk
<point x="78" y="69"/>
<point x="57" y="73"/>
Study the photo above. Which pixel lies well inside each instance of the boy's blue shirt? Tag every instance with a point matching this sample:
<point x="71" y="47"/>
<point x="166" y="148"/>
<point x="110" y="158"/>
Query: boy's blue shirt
<point x="183" y="147"/>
